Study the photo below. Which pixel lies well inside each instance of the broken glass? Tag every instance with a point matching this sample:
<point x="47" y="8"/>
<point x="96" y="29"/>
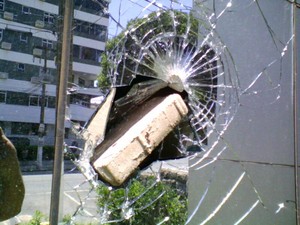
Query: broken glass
<point x="231" y="62"/>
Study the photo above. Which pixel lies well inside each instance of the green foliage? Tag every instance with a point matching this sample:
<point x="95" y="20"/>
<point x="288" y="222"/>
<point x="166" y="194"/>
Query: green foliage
<point x="162" y="23"/>
<point x="150" y="201"/>
<point x="126" y="47"/>
<point x="48" y="152"/>
<point x="37" y="218"/>
<point x="103" y="80"/>
<point x="24" y="150"/>
<point x="67" y="219"/>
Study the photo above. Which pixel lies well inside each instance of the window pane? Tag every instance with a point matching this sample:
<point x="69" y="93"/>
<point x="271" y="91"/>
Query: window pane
<point x="48" y="18"/>
<point x="2" y="97"/>
<point x="1" y="34"/>
<point x="21" y="67"/>
<point x="17" y="98"/>
<point x="2" y="5"/>
<point x="20" y="128"/>
<point x="23" y="37"/>
<point x="34" y="100"/>
<point x="25" y="10"/>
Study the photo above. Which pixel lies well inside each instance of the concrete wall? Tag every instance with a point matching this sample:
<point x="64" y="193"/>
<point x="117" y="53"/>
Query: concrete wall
<point x="256" y="171"/>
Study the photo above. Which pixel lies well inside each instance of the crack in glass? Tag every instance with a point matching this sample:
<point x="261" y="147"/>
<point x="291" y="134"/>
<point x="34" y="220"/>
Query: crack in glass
<point x="176" y="47"/>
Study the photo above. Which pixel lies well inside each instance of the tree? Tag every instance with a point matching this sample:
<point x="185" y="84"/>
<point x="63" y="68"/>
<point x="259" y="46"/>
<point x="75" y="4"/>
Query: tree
<point x="123" y="51"/>
<point x="149" y="202"/>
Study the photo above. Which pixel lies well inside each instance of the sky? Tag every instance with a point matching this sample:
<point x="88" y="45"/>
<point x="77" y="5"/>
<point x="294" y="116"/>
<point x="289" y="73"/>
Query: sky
<point x="125" y="10"/>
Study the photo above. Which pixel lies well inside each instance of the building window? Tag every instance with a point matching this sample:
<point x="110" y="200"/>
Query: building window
<point x="45" y="71"/>
<point x="51" y="102"/>
<point x="90" y="5"/>
<point x="21" y="67"/>
<point x="88" y="29"/>
<point x="81" y="81"/>
<point x="101" y="34"/>
<point x="98" y="30"/>
<point x="48" y="18"/>
<point x="77" y="25"/>
<point x="2" y="97"/>
<point x="24" y="128"/>
<point x="1" y="34"/>
<point x="17" y="98"/>
<point x="80" y="52"/>
<point x="81" y="99"/>
<point x="34" y="100"/>
<point x="2" y="4"/>
<point x="25" y="10"/>
<point x="67" y="132"/>
<point x="47" y="43"/>
<point x="23" y="37"/>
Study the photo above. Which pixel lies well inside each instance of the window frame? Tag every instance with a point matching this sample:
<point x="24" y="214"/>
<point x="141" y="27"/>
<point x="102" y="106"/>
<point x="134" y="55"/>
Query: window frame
<point x="20" y="128"/>
<point x="36" y="100"/>
<point x="21" y="67"/>
<point x="1" y="34"/>
<point x="23" y="37"/>
<point x="47" y="43"/>
<point x="2" y="5"/>
<point x="33" y="100"/>
<point x="4" y="94"/>
<point x="27" y="11"/>
<point x="48" y="18"/>
<point x="17" y="98"/>
<point x="81" y="81"/>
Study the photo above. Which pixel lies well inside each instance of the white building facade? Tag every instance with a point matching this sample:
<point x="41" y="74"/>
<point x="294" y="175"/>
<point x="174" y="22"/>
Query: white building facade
<point x="28" y="50"/>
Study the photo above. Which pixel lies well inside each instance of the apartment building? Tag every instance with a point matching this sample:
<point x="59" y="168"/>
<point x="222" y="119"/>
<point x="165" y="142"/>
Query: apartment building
<point x="28" y="52"/>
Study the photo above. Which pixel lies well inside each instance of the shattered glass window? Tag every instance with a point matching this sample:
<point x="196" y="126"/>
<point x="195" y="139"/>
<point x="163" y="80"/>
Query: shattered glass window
<point x="194" y="119"/>
<point x="206" y="52"/>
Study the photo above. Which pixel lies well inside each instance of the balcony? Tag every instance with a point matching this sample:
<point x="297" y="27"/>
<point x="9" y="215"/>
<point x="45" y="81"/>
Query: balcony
<point x="25" y="114"/>
<point x="31" y="114"/>
<point x="80" y="113"/>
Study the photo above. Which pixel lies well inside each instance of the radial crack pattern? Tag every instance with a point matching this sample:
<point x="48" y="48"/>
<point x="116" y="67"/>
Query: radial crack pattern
<point x="168" y="48"/>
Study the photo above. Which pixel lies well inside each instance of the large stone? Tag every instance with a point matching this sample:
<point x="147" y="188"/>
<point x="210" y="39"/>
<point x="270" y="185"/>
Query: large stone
<point x="95" y="129"/>
<point x="128" y="145"/>
<point x="11" y="183"/>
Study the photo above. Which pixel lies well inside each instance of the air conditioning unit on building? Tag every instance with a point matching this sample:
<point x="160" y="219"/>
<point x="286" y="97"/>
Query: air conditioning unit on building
<point x="6" y="45"/>
<point x="35" y="80"/>
<point x="3" y="75"/>
<point x="8" y="16"/>
<point x="38" y="52"/>
<point x="39" y="24"/>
